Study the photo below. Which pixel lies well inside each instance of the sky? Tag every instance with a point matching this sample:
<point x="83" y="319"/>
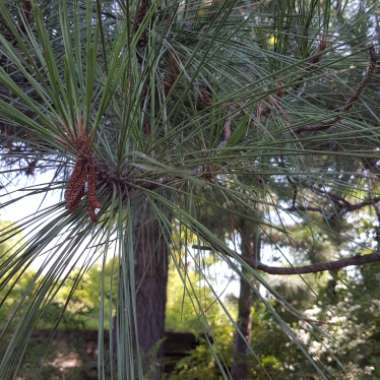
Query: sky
<point x="30" y="204"/>
<point x="222" y="278"/>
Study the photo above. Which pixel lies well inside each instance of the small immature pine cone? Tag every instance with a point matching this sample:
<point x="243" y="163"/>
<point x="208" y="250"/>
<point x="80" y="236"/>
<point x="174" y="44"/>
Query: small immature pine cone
<point x="316" y="58"/>
<point x="146" y="128"/>
<point x="172" y="74"/>
<point x="75" y="201"/>
<point x="205" y="98"/>
<point x="141" y="13"/>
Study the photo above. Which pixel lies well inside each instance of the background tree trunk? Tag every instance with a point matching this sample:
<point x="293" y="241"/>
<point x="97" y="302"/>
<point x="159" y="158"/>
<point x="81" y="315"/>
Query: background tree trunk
<point x="151" y="274"/>
<point x="250" y="249"/>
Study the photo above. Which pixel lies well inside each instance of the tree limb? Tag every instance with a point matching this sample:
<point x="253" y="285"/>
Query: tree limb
<point x="349" y="207"/>
<point x="352" y="99"/>
<point x="356" y="260"/>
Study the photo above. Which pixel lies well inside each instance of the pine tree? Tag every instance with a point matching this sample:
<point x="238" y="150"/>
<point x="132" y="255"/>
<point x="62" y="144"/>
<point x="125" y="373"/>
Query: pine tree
<point x="146" y="111"/>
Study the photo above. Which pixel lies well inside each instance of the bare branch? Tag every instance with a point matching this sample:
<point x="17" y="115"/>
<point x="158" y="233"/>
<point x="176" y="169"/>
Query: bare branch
<point x="319" y="267"/>
<point x="356" y="260"/>
<point x="348" y="207"/>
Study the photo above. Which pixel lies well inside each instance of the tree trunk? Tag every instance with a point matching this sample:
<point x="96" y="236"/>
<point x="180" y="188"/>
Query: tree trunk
<point x="250" y="249"/>
<point x="151" y="274"/>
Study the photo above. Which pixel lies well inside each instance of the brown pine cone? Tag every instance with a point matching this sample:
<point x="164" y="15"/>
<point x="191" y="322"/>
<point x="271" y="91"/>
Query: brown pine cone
<point x="75" y="186"/>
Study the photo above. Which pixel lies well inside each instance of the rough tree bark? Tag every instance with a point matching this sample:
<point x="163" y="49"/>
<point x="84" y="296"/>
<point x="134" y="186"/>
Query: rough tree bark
<point x="151" y="273"/>
<point x="250" y="250"/>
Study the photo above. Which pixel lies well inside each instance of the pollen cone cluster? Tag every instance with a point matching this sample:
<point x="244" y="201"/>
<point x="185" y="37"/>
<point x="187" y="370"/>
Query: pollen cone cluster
<point x="76" y="185"/>
<point x="83" y="179"/>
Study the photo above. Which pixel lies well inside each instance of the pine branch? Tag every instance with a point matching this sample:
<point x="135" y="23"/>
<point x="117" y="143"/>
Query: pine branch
<point x="349" y="207"/>
<point x="335" y="265"/>
<point x="350" y="102"/>
<point x="318" y="267"/>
